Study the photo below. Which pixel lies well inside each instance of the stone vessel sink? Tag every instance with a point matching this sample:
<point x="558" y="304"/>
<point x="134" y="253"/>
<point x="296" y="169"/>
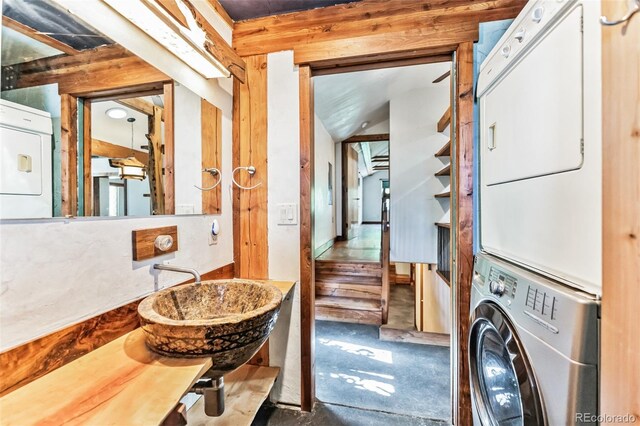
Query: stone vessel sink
<point x="227" y="320"/>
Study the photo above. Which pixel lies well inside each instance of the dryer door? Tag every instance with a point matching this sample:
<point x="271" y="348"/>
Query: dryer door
<point x="502" y="382"/>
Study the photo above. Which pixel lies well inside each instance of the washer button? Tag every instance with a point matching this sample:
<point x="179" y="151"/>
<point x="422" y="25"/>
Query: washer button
<point x="506" y="51"/>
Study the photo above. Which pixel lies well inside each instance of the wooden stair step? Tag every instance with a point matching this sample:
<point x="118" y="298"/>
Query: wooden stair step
<point x="348" y="303"/>
<point x="349" y="290"/>
<point x="370" y="269"/>
<point x="348" y="279"/>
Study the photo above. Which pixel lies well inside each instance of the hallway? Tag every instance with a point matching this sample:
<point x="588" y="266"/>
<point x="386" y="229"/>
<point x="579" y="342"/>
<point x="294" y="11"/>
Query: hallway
<point x="365" y="247"/>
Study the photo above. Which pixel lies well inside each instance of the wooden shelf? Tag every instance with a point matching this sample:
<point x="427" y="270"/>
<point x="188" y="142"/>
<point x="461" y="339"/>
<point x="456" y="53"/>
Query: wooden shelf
<point x="443" y="225"/>
<point x="443" y="195"/>
<point x="445" y="151"/>
<point x="445" y="276"/>
<point x="445" y="120"/>
<point x="445" y="171"/>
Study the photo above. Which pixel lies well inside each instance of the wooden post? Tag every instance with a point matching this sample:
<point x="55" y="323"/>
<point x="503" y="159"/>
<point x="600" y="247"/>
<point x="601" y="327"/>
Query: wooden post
<point x="211" y="118"/>
<point x="307" y="261"/>
<point x="169" y="150"/>
<point x="69" y="154"/>
<point x="620" y="350"/>
<point x="154" y="167"/>
<point x="463" y="228"/>
<point x="86" y="152"/>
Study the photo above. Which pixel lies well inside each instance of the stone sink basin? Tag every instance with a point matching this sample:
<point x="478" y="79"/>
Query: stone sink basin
<point x="227" y="320"/>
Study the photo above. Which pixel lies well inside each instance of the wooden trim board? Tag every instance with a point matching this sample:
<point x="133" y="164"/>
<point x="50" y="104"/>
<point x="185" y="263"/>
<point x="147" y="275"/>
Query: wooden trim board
<point x="307" y="261"/>
<point x="168" y="158"/>
<point x="26" y="363"/>
<point x="69" y="154"/>
<point x="463" y="228"/>
<point x="620" y="345"/>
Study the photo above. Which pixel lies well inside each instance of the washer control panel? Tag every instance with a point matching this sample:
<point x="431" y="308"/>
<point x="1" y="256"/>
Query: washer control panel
<point x="502" y="284"/>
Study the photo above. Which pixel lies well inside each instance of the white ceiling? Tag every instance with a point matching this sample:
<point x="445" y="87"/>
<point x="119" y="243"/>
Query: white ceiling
<point x="18" y="48"/>
<point x="344" y="101"/>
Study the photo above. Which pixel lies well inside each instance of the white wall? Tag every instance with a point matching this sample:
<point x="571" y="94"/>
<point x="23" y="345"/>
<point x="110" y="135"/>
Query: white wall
<point x="283" y="154"/>
<point x="337" y="189"/>
<point x="414" y="141"/>
<point x="58" y="272"/>
<point x="372" y="196"/>
<point x="324" y="214"/>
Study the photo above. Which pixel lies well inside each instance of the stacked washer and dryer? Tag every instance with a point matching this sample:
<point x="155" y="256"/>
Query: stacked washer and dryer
<point x="534" y="334"/>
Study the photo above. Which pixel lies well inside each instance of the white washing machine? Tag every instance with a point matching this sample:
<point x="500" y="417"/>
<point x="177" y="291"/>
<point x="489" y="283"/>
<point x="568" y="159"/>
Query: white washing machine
<point x="533" y="348"/>
<point x="539" y="94"/>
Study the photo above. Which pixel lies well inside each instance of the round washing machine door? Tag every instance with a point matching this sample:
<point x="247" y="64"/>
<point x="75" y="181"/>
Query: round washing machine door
<point x="502" y="381"/>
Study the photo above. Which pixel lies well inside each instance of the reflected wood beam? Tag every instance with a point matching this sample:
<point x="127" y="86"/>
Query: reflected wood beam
<point x="367" y="138"/>
<point x="69" y="154"/>
<point x="445" y="120"/>
<point x="442" y="77"/>
<point x="37" y="35"/>
<point x="154" y="163"/>
<point x="110" y="150"/>
<point x="140" y="105"/>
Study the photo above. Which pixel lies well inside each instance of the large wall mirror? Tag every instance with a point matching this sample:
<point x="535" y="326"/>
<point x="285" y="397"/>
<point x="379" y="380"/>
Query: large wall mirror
<point x="89" y="129"/>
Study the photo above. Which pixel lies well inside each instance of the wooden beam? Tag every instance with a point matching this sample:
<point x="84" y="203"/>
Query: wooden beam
<point x="620" y="348"/>
<point x="218" y="47"/>
<point x="87" y="143"/>
<point x="37" y="35"/>
<point x="368" y="65"/>
<point x="109" y="150"/>
<point x="307" y="261"/>
<point x="141" y="106"/>
<point x="372" y="26"/>
<point x="463" y="228"/>
<point x="367" y="138"/>
<point x="211" y="119"/>
<point x="172" y="8"/>
<point x="169" y="149"/>
<point x="69" y="154"/>
<point x="83" y="78"/>
<point x="445" y="120"/>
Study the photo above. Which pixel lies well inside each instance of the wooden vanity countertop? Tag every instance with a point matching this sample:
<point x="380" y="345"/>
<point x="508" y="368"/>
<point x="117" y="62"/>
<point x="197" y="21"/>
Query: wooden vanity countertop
<point x="119" y="383"/>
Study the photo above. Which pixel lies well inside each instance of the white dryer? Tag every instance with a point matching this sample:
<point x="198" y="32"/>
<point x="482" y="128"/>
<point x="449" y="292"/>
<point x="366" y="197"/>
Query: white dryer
<point x="533" y="348"/>
<point x="540" y="143"/>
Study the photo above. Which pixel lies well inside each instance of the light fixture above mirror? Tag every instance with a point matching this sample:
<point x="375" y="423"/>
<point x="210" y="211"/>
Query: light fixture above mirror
<point x="116" y="113"/>
<point x="130" y="167"/>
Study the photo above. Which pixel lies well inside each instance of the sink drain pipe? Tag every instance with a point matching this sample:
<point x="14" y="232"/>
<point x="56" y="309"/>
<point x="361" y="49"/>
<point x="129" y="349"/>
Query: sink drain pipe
<point x="213" y="391"/>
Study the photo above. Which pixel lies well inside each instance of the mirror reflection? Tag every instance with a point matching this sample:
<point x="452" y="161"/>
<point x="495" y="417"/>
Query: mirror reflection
<point x="88" y="129"/>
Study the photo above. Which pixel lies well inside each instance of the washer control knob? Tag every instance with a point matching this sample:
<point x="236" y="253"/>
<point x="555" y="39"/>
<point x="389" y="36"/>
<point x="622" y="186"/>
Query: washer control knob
<point x="506" y="51"/>
<point x="496" y="287"/>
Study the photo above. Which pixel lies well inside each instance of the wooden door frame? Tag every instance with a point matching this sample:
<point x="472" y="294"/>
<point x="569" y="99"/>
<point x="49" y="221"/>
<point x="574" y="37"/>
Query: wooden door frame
<point x="166" y="89"/>
<point x="381" y="137"/>
<point x="461" y="280"/>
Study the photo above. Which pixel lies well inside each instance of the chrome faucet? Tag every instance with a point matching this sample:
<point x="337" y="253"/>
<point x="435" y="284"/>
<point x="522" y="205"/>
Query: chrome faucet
<point x="191" y="271"/>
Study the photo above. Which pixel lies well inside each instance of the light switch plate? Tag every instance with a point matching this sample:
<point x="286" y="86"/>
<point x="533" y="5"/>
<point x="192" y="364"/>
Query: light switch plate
<point x="288" y="214"/>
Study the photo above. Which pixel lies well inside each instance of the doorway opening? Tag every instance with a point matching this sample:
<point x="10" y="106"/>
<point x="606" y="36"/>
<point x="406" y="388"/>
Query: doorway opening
<point x="382" y="307"/>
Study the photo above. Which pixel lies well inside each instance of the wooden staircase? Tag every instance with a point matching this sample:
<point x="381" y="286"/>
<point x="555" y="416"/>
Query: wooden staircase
<point x="349" y="291"/>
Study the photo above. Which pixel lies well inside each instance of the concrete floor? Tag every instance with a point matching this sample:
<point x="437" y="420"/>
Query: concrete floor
<point x="336" y="415"/>
<point x="356" y="369"/>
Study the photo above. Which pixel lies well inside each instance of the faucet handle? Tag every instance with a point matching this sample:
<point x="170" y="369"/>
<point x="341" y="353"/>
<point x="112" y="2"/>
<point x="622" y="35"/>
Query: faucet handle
<point x="163" y="242"/>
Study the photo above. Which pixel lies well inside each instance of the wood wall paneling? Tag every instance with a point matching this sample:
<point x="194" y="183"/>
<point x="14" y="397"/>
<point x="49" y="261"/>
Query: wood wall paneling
<point x="211" y="118"/>
<point x="620" y="349"/>
<point x="307" y="261"/>
<point x="169" y="149"/>
<point x="251" y="247"/>
<point x="143" y="242"/>
<point x="463" y="228"/>
<point x="28" y="362"/>
<point x="69" y="154"/>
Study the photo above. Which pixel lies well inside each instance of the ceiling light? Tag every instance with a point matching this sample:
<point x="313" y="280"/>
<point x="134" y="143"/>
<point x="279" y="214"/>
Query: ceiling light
<point x="116" y="113"/>
<point x="130" y="167"/>
<point x="186" y="44"/>
<point x="364" y="124"/>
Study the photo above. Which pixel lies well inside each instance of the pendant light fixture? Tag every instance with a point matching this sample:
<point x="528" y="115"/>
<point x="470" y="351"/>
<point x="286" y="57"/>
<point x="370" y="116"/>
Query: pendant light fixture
<point x="130" y="167"/>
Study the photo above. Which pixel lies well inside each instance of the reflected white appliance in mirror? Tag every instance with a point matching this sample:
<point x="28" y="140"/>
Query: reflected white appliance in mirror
<point x="25" y="162"/>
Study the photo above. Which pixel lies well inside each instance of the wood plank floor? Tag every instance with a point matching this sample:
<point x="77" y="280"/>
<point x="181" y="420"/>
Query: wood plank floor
<point x="365" y="247"/>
